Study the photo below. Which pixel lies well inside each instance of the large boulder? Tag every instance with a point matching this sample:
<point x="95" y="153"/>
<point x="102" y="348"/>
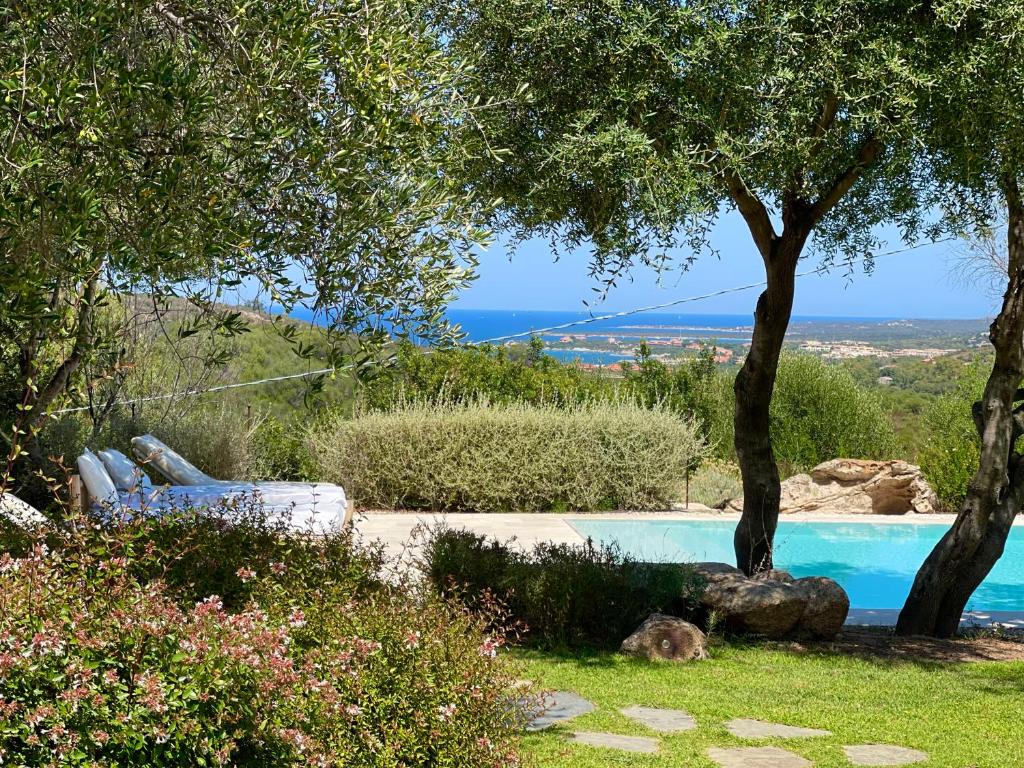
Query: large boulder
<point x="666" y="637"/>
<point x="773" y="603"/>
<point x="827" y="607"/>
<point x="857" y="487"/>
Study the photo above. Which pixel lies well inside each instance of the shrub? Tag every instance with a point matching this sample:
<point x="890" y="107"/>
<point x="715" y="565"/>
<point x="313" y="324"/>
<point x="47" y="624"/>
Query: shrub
<point x="715" y="482"/>
<point x="819" y="413"/>
<point x="951" y="451"/>
<point x="103" y="666"/>
<point x="693" y="387"/>
<point x="469" y="374"/>
<point x="493" y="458"/>
<point x="567" y="596"/>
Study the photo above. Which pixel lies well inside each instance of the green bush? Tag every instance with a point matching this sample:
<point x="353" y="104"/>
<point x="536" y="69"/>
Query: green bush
<point x="715" y="482"/>
<point x="498" y="458"/>
<point x="103" y="665"/>
<point x="582" y="596"/>
<point x="520" y="374"/>
<point x="693" y="387"/>
<point x="819" y="413"/>
<point x="951" y="451"/>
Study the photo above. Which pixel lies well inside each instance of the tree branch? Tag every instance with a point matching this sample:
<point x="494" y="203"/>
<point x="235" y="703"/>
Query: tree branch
<point x="869" y="151"/>
<point x="59" y="380"/>
<point x="753" y="210"/>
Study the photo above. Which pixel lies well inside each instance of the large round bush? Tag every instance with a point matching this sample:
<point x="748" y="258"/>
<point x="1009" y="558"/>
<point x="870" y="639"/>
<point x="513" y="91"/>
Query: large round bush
<point x="951" y="451"/>
<point x="819" y="412"/>
<point x="495" y="458"/>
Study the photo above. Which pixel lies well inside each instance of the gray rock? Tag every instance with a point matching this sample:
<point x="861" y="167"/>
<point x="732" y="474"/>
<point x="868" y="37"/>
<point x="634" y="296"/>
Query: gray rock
<point x="773" y="603"/>
<point x="661" y="720"/>
<point x="558" y="707"/>
<point x="768" y="608"/>
<point x="757" y="757"/>
<point x="616" y="741"/>
<point x="883" y="754"/>
<point x="827" y="607"/>
<point x="666" y="637"/>
<point x="716" y="571"/>
<point x="758" y="729"/>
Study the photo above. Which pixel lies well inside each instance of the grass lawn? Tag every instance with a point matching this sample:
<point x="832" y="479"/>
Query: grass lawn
<point x="965" y="715"/>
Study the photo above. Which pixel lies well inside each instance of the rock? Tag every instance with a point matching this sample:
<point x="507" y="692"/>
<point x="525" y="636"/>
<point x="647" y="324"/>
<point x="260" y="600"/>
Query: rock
<point x="556" y="707"/>
<point x="759" y="729"/>
<point x="773" y="603"/>
<point x="716" y="571"/>
<point x="827" y="607"/>
<point x="858" y="487"/>
<point x="666" y="637"/>
<point x="757" y="757"/>
<point x="769" y="608"/>
<point x="661" y="720"/>
<point x="641" y="744"/>
<point x="883" y="754"/>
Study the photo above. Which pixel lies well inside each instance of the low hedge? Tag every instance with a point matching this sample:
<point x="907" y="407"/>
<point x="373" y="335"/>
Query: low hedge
<point x="565" y="596"/>
<point x="512" y="457"/>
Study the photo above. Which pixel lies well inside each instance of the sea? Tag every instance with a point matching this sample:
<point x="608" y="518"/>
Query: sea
<point x="500" y="326"/>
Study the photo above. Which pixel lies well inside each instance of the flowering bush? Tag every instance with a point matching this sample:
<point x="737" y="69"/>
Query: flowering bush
<point x="101" y="667"/>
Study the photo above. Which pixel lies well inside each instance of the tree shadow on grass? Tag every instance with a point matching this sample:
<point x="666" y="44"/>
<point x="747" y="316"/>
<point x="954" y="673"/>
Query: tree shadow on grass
<point x="880" y="644"/>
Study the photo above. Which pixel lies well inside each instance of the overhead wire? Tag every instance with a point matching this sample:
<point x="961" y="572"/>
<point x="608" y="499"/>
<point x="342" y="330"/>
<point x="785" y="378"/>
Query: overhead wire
<point x="821" y="269"/>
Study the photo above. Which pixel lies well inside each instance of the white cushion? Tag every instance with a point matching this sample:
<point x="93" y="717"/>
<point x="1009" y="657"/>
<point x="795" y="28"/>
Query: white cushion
<point x="127" y="475"/>
<point x="18" y="512"/>
<point x="98" y="483"/>
<point x="304" y="507"/>
<point x="168" y="462"/>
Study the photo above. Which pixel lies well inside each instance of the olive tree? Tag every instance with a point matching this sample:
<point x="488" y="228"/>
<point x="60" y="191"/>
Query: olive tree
<point x="631" y="125"/>
<point x="177" y="148"/>
<point x="973" y="125"/>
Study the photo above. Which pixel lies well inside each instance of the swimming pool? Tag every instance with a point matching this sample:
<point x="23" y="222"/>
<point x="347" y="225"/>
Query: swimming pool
<point x="875" y="562"/>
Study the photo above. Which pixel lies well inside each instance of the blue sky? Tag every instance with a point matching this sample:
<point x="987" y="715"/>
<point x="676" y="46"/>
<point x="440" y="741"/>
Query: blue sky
<point x="914" y="284"/>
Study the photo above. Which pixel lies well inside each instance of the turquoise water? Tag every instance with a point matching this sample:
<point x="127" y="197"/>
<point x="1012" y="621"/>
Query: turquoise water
<point x="875" y="562"/>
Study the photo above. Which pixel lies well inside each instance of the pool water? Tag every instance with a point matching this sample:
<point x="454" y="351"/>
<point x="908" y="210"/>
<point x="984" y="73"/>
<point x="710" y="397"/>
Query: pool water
<point x="875" y="562"/>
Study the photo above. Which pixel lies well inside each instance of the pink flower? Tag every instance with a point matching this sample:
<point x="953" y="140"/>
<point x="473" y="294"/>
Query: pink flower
<point x="446" y="711"/>
<point x="278" y="568"/>
<point x="245" y="574"/>
<point x="489" y="648"/>
<point x="297" y="618"/>
<point x="412" y="640"/>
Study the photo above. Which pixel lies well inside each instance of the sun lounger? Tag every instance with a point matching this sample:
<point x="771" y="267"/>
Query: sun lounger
<point x="168" y="462"/>
<point x="115" y="484"/>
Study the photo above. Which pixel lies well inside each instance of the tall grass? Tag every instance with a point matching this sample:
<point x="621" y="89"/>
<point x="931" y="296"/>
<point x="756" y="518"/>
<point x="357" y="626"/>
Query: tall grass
<point x="489" y="457"/>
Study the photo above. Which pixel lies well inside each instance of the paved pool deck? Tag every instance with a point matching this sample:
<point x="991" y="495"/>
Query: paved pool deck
<point x="396" y="531"/>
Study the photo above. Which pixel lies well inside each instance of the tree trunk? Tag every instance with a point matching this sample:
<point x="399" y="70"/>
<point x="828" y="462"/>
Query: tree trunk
<point x="965" y="555"/>
<point x="753" y="387"/>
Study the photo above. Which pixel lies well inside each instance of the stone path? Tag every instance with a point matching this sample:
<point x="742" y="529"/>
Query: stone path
<point x="562" y="706"/>
<point x="757" y="757"/>
<point x="883" y="754"/>
<point x="757" y="729"/>
<point x="616" y="741"/>
<point x="661" y="720"/>
<point x="559" y="706"/>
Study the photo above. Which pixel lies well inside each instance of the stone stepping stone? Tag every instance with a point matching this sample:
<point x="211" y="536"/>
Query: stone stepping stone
<point x="559" y="706"/>
<point x="757" y="757"/>
<point x="661" y="720"/>
<point x="757" y="729"/>
<point x="883" y="754"/>
<point x="616" y="741"/>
